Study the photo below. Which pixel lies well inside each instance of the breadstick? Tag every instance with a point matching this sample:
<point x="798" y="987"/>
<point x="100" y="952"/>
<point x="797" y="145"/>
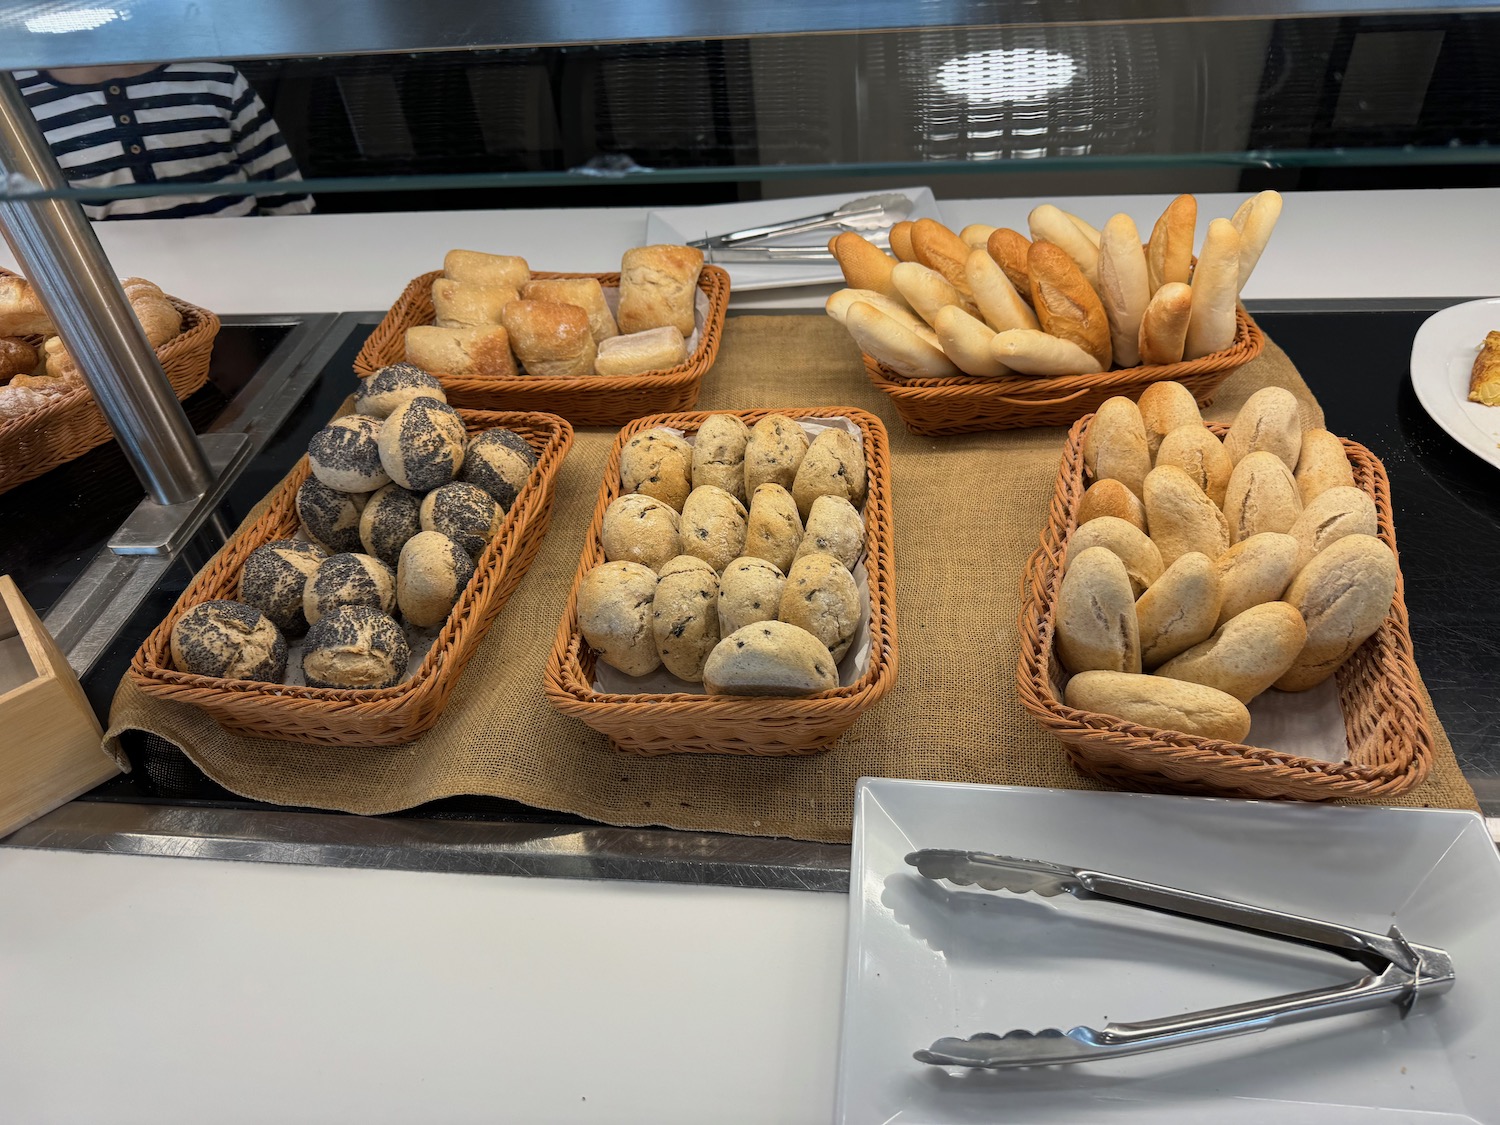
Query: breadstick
<point x="966" y="342"/>
<point x="1124" y="287"/>
<point x="865" y="265"/>
<point x="898" y="348"/>
<point x="998" y="301"/>
<point x="1033" y="352"/>
<point x="1255" y="220"/>
<point x="1215" y="291"/>
<point x="1170" y="256"/>
<point x="1050" y="224"/>
<point x="1164" y="327"/>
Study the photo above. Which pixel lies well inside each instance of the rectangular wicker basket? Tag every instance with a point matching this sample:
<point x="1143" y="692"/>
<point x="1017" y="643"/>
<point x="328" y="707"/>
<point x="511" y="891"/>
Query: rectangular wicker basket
<point x="71" y="424"/>
<point x="965" y="404"/>
<point x="701" y="724"/>
<point x="1390" y="742"/>
<point x="586" y="400"/>
<point x="371" y="716"/>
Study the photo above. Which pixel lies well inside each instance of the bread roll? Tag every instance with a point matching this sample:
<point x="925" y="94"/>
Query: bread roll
<point x="614" y="616"/>
<point x="656" y="349"/>
<point x="348" y="579"/>
<point x="274" y="579"/>
<point x="834" y="528"/>
<point x="1028" y="352"/>
<point x="585" y="292"/>
<point x="770" y="658"/>
<point x="640" y="529"/>
<point x="1246" y="654"/>
<point x="749" y="591"/>
<point x="1111" y="498"/>
<point x="1051" y="224"/>
<point x="927" y="291"/>
<point x="713" y="526"/>
<point x="1211" y="324"/>
<point x="976" y="235"/>
<point x="659" y="286"/>
<point x="476" y="268"/>
<point x="159" y="318"/>
<point x="329" y="517"/>
<point x="1170" y="255"/>
<point x="392" y="516"/>
<point x="501" y="462"/>
<point x="1095" y="624"/>
<point x="966" y="341"/>
<point x="1141" y="558"/>
<point x="1262" y="496"/>
<point x="1124" y="287"/>
<point x="1180" y="609"/>
<point x="17" y="357"/>
<point x="834" y="465"/>
<point x="461" y="351"/>
<point x="658" y="463"/>
<point x="773" y="530"/>
<point x="821" y="597"/>
<point x="457" y="305"/>
<point x="1065" y="301"/>
<point x="1255" y="570"/>
<point x="1161" y="704"/>
<point x="228" y="640"/>
<point x="865" y="265"/>
<point x="774" y="452"/>
<point x="1322" y="464"/>
<point x="1343" y="594"/>
<point x="1114" y="445"/>
<point x="1008" y="249"/>
<point x="1165" y="406"/>
<point x="719" y="454"/>
<point x="899" y="348"/>
<point x="837" y="306"/>
<point x="1181" y="517"/>
<point x="431" y="575"/>
<point x="1331" y="516"/>
<point x="551" y="339"/>
<point x="1271" y="421"/>
<point x="388" y="388"/>
<point x="422" y="444"/>
<point x="1165" y="323"/>
<point x="355" y="647"/>
<point x="21" y="312"/>
<point x="1194" y="450"/>
<point x="901" y="241"/>
<point x="465" y="513"/>
<point x="938" y="248"/>
<point x="345" y="454"/>
<point x="685" y="620"/>
<point x="1255" y="224"/>
<point x="999" y="303"/>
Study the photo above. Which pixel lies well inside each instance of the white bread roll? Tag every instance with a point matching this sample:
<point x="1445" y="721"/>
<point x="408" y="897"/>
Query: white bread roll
<point x="865" y="265"/>
<point x="1033" y="352"/>
<point x="1322" y="464"/>
<point x="1124" y="287"/>
<point x="999" y="303"/>
<point x="656" y="349"/>
<point x="899" y="348"/>
<point x="1216" y="290"/>
<point x="1165" y="323"/>
<point x="1255" y="223"/>
<point x="1246" y="654"/>
<point x="1161" y="704"/>
<point x="1114" y="445"/>
<point x="1270" y="421"/>
<point x="1095" y="623"/>
<point x="1262" y="496"/>
<point x="966" y="342"/>
<point x="977" y="235"/>
<point x="1179" y="610"/>
<point x="1052" y="224"/>
<point x="928" y="291"/>
<point x="837" y="306"/>
<point x="1169" y="258"/>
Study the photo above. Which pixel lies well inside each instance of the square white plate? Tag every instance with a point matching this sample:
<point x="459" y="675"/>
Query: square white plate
<point x="1442" y="358"/>
<point x="929" y="959"/>
<point x="683" y="224"/>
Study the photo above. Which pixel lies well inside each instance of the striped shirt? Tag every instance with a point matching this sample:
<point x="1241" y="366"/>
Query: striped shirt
<point x="194" y="122"/>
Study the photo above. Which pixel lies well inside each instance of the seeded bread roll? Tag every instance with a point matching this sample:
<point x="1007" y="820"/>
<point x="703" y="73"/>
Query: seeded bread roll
<point x="274" y="578"/>
<point x="773" y="530"/>
<point x="1269" y="421"/>
<point x="1096" y="624"/>
<point x="834" y="465"/>
<point x="499" y="461"/>
<point x="683" y="563"/>
<point x="685" y="621"/>
<point x="903" y="350"/>
<point x="770" y="658"/>
<point x="938" y="248"/>
<point x="1181" y="517"/>
<point x="1179" y="610"/>
<point x="658" y="286"/>
<point x="719" y="454"/>
<point x="1245" y="655"/>
<point x="1262" y="496"/>
<point x="476" y="268"/>
<point x="656" y="349"/>
<point x="865" y="265"/>
<point x="1195" y="450"/>
<point x="484" y="350"/>
<point x="1114" y="446"/>
<point x="1255" y="570"/>
<point x="349" y="579"/>
<point x="658" y="463"/>
<point x="999" y="303"/>
<point x="820" y="596"/>
<point x="1141" y="558"/>
<point x="640" y="529"/>
<point x="393" y="386"/>
<point x="355" y="646"/>
<point x="229" y="640"/>
<point x="422" y="444"/>
<point x="1065" y="301"/>
<point x="1109" y="497"/>
<point x="749" y="591"/>
<point x="713" y="526"/>
<point x="585" y="292"/>
<point x="1008" y="249"/>
<point x="464" y="513"/>
<point x="1322" y="464"/>
<point x="1344" y="595"/>
<point x="1331" y="516"/>
<point x="459" y="305"/>
<point x="1169" y="257"/>
<point x="551" y="339"/>
<point x="774" y="452"/>
<point x="430" y="576"/>
<point x="1161" y="704"/>
<point x="1167" y="406"/>
<point x="833" y="528"/>
<point x="392" y="516"/>
<point x="614" y="615"/>
<point x="345" y="454"/>
<point x="330" y="517"/>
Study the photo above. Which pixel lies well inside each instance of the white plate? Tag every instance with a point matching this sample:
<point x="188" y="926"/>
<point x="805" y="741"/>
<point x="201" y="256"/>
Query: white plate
<point x="683" y="224"/>
<point x="1442" y="358"/>
<point x="928" y="959"/>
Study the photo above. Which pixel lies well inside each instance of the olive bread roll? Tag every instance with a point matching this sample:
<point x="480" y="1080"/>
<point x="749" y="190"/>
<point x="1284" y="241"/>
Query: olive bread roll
<point x="774" y="452"/>
<point x="820" y="596"/>
<point x="770" y="658"/>
<point x="719" y="454"/>
<point x="749" y="591"/>
<point x="614" y="615"/>
<point x="834" y="465"/>
<point x="641" y="529"/>
<point x="834" y="528"/>
<point x="713" y="526"/>
<point x="773" y="530"/>
<point x="685" y="620"/>
<point x="658" y="463"/>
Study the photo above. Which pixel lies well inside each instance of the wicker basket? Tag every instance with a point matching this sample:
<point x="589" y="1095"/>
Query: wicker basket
<point x="963" y="404"/>
<point x="587" y="400"/>
<point x="700" y="724"/>
<point x="372" y="716"/>
<point x="71" y="424"/>
<point x="1390" y="743"/>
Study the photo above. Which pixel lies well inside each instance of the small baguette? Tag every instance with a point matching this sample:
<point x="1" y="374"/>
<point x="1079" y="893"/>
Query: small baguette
<point x="1271" y="421"/>
<point x="1111" y="498"/>
<point x="1029" y="352"/>
<point x="1095" y="624"/>
<point x="1124" y="287"/>
<point x="976" y="235"/>
<point x="865" y="265"/>
<point x="1343" y="594"/>
<point x="1194" y="450"/>
<point x="1246" y="654"/>
<point x="1141" y="558"/>
<point x="1065" y="301"/>
<point x="1211" y="325"/>
<point x="837" y="306"/>
<point x="1255" y="224"/>
<point x="1166" y="406"/>
<point x="1114" y="446"/>
<point x="1181" y="516"/>
<point x="1322" y="464"/>
<point x="1009" y="248"/>
<point x="901" y="241"/>
<point x="927" y="291"/>
<point x="1179" y="610"/>
<point x="1331" y="516"/>
<point x="1051" y="224"/>
<point x="1255" y="570"/>
<point x="1160" y="704"/>
<point x="998" y="301"/>
<point x="1169" y="257"/>
<point x="1165" y="323"/>
<point x="899" y="348"/>
<point x="938" y="248"/>
<point x="1086" y="228"/>
<point x="1262" y="496"/>
<point x="966" y="341"/>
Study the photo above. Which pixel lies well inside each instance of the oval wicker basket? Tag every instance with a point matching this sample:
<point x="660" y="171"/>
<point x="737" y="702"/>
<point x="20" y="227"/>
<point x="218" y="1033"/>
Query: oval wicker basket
<point x="965" y="404"/>
<point x="71" y="424"/>
<point x="1390" y="742"/>
<point x="702" y="724"/>
<point x="587" y="400"/>
<point x="371" y="716"/>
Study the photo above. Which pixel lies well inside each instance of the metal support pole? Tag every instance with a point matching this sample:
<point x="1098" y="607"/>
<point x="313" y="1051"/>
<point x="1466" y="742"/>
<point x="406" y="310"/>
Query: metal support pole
<point x="61" y="256"/>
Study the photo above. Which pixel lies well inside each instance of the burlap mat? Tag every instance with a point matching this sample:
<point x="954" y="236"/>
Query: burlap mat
<point x="968" y="513"/>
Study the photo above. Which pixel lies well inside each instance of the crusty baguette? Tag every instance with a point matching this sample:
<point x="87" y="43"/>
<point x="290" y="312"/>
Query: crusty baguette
<point x="901" y="241"/>
<point x="1165" y="323"/>
<point x="938" y="248"/>
<point x="1008" y="248"/>
<point x="1124" y="287"/>
<point x="1065" y="301"/>
<point x="1170" y="256"/>
<point x="976" y="235"/>
<point x="1215" y="292"/>
<point x="1051" y="224"/>
<point x="837" y="306"/>
<point x="865" y="265"/>
<point x="966" y="341"/>
<point x="1033" y="352"/>
<point x="999" y="303"/>
<point x="899" y="348"/>
<point x="1255" y="224"/>
<point x="928" y="291"/>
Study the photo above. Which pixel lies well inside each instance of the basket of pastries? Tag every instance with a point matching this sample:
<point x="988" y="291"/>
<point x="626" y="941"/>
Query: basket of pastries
<point x="988" y="329"/>
<point x="47" y="414"/>
<point x="736" y="593"/>
<point x="344" y="613"/>
<point x="1219" y="609"/>
<point x="597" y="348"/>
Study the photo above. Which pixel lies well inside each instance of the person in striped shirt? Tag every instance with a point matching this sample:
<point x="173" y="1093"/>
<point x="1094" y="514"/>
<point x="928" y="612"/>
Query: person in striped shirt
<point x="197" y="122"/>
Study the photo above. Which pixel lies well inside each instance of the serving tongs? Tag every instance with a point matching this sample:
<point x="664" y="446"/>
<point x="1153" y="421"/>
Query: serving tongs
<point x="1400" y="971"/>
<point x="872" y="212"/>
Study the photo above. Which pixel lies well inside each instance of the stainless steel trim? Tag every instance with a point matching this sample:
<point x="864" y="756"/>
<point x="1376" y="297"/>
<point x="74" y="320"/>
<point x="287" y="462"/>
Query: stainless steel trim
<point x="162" y="529"/>
<point x="452" y="847"/>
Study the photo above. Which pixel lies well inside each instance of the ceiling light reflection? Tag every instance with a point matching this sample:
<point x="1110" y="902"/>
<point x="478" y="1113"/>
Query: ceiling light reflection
<point x="1014" y="74"/>
<point x="79" y="19"/>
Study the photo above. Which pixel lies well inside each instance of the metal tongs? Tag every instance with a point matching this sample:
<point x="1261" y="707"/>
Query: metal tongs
<point x="873" y="212"/>
<point x="1400" y="971"/>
